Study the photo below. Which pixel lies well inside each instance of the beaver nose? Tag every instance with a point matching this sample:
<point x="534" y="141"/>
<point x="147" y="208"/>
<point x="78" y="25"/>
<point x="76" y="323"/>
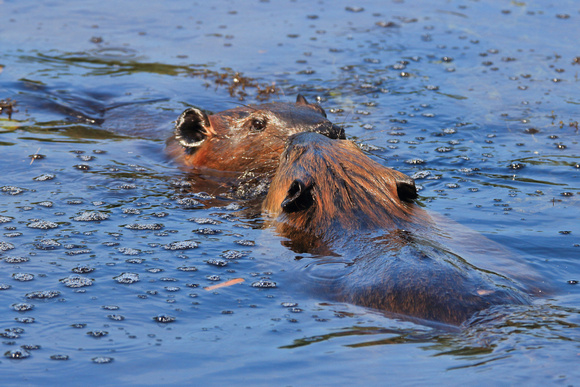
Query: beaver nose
<point x="330" y="130"/>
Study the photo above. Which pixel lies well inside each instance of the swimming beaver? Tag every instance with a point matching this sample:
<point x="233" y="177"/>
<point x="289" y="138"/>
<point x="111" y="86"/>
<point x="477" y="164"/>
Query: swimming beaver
<point x="246" y="138"/>
<point x="382" y="250"/>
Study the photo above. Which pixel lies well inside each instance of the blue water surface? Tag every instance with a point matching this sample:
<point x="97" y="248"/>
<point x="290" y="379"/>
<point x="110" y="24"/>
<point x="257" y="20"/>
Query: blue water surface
<point x="104" y="257"/>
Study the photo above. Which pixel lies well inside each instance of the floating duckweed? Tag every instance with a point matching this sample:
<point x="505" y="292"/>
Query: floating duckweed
<point x="5" y="246"/>
<point x="204" y="221"/>
<point x="44" y="177"/>
<point x="91" y="216"/>
<point x="264" y="283"/>
<point x="43" y="294"/>
<point x="127" y="278"/>
<point x="207" y="231"/>
<point x="415" y="161"/>
<point x="42" y="225"/>
<point x="97" y="333"/>
<point x="102" y="360"/>
<point x="82" y="269"/>
<point x="5" y="219"/>
<point x="187" y="268"/>
<point x="144" y="226"/>
<point x="232" y="254"/>
<point x="217" y="262"/>
<point x="183" y="245"/>
<point x="16" y="259"/>
<point x="17" y="354"/>
<point x="59" y="357"/>
<point x="23" y="277"/>
<point x="245" y="242"/>
<point x="189" y="203"/>
<point x="163" y="318"/>
<point x="11" y="190"/>
<point x="135" y="260"/>
<point x="25" y="320"/>
<point x="128" y="251"/>
<point x="47" y="244"/>
<point x="76" y="281"/>
<point x="22" y="307"/>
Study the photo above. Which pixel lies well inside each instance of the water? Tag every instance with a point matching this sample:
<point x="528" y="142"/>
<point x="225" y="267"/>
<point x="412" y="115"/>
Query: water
<point x="483" y="93"/>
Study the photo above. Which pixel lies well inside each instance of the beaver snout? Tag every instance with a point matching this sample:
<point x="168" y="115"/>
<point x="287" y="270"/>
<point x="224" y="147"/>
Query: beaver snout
<point x="330" y="130"/>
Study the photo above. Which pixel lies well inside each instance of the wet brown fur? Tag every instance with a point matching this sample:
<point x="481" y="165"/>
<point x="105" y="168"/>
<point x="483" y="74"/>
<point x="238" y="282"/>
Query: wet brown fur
<point x="380" y="249"/>
<point x="247" y="138"/>
<point x="351" y="191"/>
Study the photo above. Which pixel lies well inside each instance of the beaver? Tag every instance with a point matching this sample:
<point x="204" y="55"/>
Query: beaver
<point x="377" y="247"/>
<point x="246" y="138"/>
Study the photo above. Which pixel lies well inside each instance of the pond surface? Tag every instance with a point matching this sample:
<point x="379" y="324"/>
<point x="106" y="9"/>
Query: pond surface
<point x="105" y="253"/>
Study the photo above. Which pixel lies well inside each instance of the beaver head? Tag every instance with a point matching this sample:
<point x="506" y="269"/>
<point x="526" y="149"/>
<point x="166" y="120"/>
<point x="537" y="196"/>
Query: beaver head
<point x="246" y="138"/>
<point x="324" y="187"/>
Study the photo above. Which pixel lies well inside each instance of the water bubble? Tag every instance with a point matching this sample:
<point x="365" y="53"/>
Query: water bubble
<point x="289" y="304"/>
<point x="116" y="317"/>
<point x="127" y="278"/>
<point x="4" y="287"/>
<point x="415" y="161"/>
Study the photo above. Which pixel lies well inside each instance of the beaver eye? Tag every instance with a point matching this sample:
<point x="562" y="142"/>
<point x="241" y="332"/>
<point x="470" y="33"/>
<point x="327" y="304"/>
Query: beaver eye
<point x="258" y="124"/>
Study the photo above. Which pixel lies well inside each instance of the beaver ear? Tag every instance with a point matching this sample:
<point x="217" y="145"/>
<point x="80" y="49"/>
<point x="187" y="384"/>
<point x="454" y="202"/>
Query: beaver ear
<point x="299" y="197"/>
<point x="301" y="100"/>
<point x="405" y="187"/>
<point x="192" y="128"/>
